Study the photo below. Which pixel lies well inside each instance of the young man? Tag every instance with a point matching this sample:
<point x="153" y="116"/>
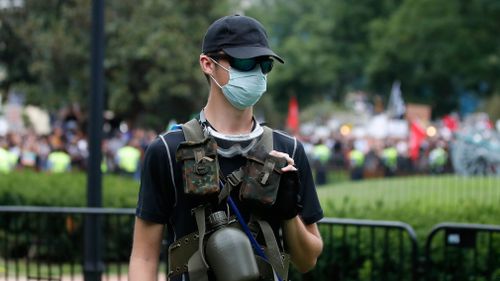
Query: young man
<point x="236" y="59"/>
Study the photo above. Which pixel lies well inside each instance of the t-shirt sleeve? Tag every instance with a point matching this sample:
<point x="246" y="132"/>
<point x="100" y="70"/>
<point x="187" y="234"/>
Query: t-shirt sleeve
<point x="154" y="200"/>
<point x="312" y="211"/>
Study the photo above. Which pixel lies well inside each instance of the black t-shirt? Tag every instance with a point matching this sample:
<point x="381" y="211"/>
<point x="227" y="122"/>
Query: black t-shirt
<point x="162" y="199"/>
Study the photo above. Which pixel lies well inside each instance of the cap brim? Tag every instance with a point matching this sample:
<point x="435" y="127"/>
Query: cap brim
<point x="251" y="52"/>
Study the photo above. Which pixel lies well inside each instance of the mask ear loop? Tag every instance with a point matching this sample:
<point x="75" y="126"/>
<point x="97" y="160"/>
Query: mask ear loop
<point x="215" y="81"/>
<point x="217" y="63"/>
<point x="222" y="68"/>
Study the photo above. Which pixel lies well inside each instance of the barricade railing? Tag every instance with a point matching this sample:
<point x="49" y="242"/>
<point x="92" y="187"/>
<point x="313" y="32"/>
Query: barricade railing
<point x="46" y="243"/>
<point x="456" y="251"/>
<point x="366" y="250"/>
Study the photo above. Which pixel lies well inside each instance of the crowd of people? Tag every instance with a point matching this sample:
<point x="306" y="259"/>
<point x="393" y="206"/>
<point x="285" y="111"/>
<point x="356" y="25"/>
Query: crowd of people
<point x="369" y="157"/>
<point x="66" y="148"/>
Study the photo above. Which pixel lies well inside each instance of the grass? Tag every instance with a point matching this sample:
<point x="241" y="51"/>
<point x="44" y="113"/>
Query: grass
<point x="420" y="201"/>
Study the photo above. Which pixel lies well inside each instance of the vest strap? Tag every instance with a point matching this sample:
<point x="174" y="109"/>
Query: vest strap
<point x="193" y="131"/>
<point x="276" y="258"/>
<point x="232" y="180"/>
<point x="199" y="213"/>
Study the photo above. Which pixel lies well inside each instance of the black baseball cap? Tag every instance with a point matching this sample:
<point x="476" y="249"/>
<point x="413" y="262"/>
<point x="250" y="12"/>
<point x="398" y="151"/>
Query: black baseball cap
<point x="238" y="36"/>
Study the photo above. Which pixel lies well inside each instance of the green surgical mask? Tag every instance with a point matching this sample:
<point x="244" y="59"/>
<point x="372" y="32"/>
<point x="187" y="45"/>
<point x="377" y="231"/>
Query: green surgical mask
<point x="244" y="88"/>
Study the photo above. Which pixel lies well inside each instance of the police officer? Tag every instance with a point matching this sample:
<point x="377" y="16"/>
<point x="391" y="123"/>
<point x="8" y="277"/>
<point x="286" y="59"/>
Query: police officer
<point x="8" y="159"/>
<point x="438" y="158"/>
<point x="236" y="60"/>
<point x="390" y="160"/>
<point x="357" y="162"/>
<point x="321" y="156"/>
<point x="58" y="161"/>
<point x="128" y="157"/>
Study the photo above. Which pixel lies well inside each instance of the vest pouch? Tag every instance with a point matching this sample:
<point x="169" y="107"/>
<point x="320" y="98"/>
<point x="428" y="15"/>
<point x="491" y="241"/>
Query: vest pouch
<point x="262" y="179"/>
<point x="200" y="170"/>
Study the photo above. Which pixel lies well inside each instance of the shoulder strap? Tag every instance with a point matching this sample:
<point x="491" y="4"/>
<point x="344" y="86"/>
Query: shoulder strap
<point x="267" y="139"/>
<point x="192" y="130"/>
<point x="278" y="261"/>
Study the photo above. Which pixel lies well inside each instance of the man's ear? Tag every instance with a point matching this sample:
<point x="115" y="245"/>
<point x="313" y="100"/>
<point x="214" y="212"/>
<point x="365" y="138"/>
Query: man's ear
<point x="206" y="64"/>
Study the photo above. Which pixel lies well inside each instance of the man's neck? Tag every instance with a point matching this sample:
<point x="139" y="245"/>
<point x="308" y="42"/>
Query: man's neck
<point x="226" y="119"/>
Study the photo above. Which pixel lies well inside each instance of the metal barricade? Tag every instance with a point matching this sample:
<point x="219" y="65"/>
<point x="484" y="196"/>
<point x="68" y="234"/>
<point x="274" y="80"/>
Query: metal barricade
<point x="463" y="252"/>
<point x="366" y="250"/>
<point x="46" y="243"/>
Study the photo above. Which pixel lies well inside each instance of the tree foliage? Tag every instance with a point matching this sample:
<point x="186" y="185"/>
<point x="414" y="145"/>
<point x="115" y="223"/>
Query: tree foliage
<point x="438" y="50"/>
<point x="51" y="65"/>
<point x="324" y="43"/>
<point x="151" y="57"/>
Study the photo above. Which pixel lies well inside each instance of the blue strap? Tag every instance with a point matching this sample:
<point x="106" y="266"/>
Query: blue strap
<point x="175" y="127"/>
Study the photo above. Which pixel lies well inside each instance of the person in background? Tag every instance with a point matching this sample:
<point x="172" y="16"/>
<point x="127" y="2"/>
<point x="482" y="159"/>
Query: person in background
<point x="58" y="161"/>
<point x="128" y="158"/>
<point x="28" y="158"/>
<point x="8" y="159"/>
<point x="321" y="157"/>
<point x="356" y="163"/>
<point x="389" y="159"/>
<point x="438" y="158"/>
<point x="43" y="152"/>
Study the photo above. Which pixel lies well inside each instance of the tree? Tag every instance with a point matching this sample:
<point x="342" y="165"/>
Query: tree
<point x="151" y="56"/>
<point x="48" y="64"/>
<point x="14" y="56"/>
<point x="324" y="43"/>
<point x="152" y="64"/>
<point x="437" y="50"/>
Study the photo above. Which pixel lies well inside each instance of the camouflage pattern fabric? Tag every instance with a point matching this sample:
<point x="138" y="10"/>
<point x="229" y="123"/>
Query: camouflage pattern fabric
<point x="262" y="179"/>
<point x="200" y="170"/>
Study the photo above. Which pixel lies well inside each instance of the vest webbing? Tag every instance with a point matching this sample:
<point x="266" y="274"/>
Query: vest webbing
<point x="178" y="259"/>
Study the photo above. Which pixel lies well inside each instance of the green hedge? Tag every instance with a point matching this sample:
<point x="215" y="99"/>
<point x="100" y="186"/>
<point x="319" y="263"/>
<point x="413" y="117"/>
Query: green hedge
<point x="63" y="190"/>
<point x="421" y="202"/>
<point x="66" y="189"/>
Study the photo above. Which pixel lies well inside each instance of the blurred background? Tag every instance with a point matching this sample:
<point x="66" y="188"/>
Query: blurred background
<point x="397" y="103"/>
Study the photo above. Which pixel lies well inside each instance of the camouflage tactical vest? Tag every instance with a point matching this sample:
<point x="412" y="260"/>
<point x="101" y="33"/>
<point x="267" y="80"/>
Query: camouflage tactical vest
<point x="258" y="181"/>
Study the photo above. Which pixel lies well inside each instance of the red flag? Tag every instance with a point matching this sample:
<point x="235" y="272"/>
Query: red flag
<point x="417" y="136"/>
<point x="450" y="122"/>
<point x="292" y="121"/>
